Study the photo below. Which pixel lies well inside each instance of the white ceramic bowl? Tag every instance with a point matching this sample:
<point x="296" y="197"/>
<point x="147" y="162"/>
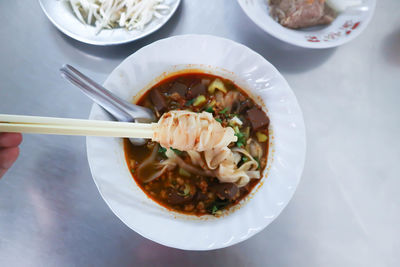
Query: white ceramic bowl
<point x="347" y="26"/>
<point x="286" y="155"/>
<point x="61" y="15"/>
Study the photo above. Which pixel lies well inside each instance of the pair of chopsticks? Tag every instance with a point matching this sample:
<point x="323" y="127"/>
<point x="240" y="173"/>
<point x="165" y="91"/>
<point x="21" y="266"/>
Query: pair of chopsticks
<point x="61" y="126"/>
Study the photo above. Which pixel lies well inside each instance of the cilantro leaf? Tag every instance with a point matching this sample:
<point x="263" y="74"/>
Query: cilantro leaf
<point x="214" y="209"/>
<point x="177" y="151"/>
<point x="217" y="205"/>
<point x="239" y="135"/>
<point x="241" y="139"/>
<point x="258" y="162"/>
<point x="162" y="151"/>
<point x="189" y="102"/>
<point x="223" y="111"/>
<point x="209" y="110"/>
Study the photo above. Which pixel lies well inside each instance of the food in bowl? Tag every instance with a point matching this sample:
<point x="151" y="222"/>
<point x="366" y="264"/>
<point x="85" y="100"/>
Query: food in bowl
<point x="109" y="14"/>
<point x="301" y="13"/>
<point x="296" y="14"/>
<point x="201" y="181"/>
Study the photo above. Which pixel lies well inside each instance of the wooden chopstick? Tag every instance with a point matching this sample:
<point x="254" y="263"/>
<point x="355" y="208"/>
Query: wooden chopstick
<point x="47" y="125"/>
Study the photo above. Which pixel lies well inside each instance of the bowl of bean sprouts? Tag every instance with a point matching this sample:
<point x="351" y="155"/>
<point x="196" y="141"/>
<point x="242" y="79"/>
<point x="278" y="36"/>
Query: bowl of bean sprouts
<point x="108" y="22"/>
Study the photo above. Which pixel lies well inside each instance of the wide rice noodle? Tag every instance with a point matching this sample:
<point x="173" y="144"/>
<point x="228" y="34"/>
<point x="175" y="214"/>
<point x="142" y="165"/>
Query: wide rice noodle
<point x="223" y="162"/>
<point x="186" y="130"/>
<point x="206" y="142"/>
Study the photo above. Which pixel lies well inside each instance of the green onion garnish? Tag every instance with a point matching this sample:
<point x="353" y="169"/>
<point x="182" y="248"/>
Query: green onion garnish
<point x="214" y="210"/>
<point x="240" y="136"/>
<point x="209" y="110"/>
<point x="162" y="151"/>
<point x="199" y="100"/>
<point x="177" y="151"/>
<point x="258" y="161"/>
<point x="223" y="111"/>
<point x="189" y="102"/>
<point x="184" y="172"/>
<point x="186" y="191"/>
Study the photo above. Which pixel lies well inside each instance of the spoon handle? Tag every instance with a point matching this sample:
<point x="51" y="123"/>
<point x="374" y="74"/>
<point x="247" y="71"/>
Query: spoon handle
<point x="119" y="108"/>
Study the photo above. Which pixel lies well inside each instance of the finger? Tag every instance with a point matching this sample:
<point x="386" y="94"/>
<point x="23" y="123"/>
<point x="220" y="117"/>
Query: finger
<point x="2" y="172"/>
<point x="8" y="156"/>
<point x="10" y="139"/>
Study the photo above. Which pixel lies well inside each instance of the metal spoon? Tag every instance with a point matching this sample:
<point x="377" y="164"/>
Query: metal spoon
<point x="120" y="109"/>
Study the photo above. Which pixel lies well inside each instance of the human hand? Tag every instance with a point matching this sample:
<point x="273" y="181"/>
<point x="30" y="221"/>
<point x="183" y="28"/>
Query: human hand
<point x="9" y="150"/>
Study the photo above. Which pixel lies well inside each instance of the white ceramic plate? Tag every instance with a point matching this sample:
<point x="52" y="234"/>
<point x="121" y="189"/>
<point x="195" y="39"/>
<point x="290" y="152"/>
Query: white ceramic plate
<point x="347" y="26"/>
<point x="286" y="156"/>
<point x="61" y="15"/>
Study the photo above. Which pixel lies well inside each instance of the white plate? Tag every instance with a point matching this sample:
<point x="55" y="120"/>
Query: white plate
<point x="286" y="156"/>
<point x="61" y="15"/>
<point x="347" y="26"/>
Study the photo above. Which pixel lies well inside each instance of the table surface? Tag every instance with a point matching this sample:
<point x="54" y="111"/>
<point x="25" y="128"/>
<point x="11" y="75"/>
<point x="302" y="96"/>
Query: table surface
<point x="345" y="211"/>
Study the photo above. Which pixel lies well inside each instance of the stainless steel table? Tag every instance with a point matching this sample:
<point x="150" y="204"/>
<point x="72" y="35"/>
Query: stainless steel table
<point x="344" y="213"/>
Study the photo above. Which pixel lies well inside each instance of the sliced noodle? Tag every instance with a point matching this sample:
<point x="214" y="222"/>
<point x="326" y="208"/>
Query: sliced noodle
<point x="254" y="147"/>
<point x="227" y="99"/>
<point x="159" y="167"/>
<point x="215" y="157"/>
<point x="186" y="130"/>
<point x="228" y="170"/>
<point x="223" y="163"/>
<point x="181" y="163"/>
<point x="206" y="142"/>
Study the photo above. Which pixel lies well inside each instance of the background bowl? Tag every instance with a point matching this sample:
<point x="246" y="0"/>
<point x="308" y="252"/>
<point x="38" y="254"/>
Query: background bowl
<point x="347" y="26"/>
<point x="61" y="15"/>
<point x="286" y="155"/>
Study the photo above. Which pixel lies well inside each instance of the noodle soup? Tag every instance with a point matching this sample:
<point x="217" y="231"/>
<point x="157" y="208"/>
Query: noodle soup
<point x="188" y="181"/>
